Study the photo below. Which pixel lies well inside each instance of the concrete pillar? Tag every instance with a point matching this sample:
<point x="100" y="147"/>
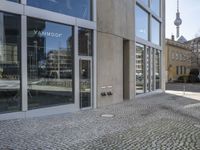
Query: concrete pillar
<point x="128" y="70"/>
<point x="163" y="54"/>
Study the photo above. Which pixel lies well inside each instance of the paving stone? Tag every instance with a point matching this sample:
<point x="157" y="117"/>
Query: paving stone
<point x="151" y="123"/>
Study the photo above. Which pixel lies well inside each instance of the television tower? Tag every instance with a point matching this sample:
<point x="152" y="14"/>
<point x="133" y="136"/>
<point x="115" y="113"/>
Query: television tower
<point x="178" y="20"/>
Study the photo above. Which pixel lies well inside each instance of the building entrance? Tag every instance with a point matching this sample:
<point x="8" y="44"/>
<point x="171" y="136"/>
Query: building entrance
<point x="85" y="83"/>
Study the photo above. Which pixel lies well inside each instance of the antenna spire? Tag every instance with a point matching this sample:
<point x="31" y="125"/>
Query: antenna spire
<point x="178" y="20"/>
<point x="177" y="5"/>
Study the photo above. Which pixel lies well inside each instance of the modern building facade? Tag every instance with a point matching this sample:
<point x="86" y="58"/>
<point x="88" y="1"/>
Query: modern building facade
<point x="178" y="57"/>
<point x="69" y="55"/>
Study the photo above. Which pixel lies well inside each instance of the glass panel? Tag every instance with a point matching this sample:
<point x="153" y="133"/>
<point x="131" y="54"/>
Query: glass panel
<point x="157" y="69"/>
<point x="18" y="1"/>
<point x="185" y="70"/>
<point x="85" y="42"/>
<point x="144" y="1"/>
<point x="10" y="54"/>
<point x="155" y="32"/>
<point x="181" y="69"/>
<point x="139" y="69"/>
<point x="85" y="83"/>
<point x="177" y="70"/>
<point x="141" y="20"/>
<point x="50" y="63"/>
<point x="148" y="69"/>
<point x="155" y="6"/>
<point x="77" y="8"/>
<point x="152" y="70"/>
<point x="173" y="55"/>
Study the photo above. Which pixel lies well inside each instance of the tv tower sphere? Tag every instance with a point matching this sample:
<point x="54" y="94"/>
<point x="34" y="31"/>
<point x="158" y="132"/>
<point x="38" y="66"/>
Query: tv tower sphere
<point x="178" y="20"/>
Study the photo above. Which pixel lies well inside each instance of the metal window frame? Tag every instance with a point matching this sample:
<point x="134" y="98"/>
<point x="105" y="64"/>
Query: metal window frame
<point x="92" y="60"/>
<point x="151" y="15"/>
<point x="87" y="58"/>
<point x="144" y="67"/>
<point x="24" y="70"/>
<point x="153" y="47"/>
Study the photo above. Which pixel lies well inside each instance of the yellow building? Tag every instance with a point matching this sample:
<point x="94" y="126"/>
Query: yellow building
<point x="178" y="60"/>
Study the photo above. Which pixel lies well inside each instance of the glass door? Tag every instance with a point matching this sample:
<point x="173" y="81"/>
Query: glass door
<point x="85" y="82"/>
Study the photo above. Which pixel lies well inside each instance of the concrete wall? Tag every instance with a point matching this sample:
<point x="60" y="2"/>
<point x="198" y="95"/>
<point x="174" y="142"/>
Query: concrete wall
<point x="116" y="17"/>
<point x="116" y="58"/>
<point x="115" y="23"/>
<point x="163" y="59"/>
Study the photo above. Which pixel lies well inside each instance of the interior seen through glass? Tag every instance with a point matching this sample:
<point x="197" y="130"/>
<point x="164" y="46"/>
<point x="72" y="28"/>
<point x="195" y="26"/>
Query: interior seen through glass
<point x="50" y="63"/>
<point x="10" y="54"/>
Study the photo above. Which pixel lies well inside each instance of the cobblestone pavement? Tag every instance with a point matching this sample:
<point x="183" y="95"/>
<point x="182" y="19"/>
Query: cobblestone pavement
<point x="169" y="121"/>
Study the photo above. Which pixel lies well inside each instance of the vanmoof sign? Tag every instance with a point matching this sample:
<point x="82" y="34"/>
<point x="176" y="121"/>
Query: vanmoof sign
<point x="48" y="34"/>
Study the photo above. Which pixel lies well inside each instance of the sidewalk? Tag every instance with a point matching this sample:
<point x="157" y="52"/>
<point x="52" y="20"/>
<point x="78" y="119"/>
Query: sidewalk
<point x="165" y="121"/>
<point x="188" y="87"/>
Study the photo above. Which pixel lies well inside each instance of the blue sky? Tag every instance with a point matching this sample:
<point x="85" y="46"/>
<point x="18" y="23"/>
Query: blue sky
<point x="190" y="15"/>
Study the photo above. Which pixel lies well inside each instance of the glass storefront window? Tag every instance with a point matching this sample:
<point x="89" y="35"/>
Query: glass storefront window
<point x="141" y="23"/>
<point x="50" y="63"/>
<point x="85" y="83"/>
<point x="139" y="69"/>
<point x="148" y="69"/>
<point x="76" y="8"/>
<point x="158" y="69"/>
<point x="155" y="32"/>
<point x="85" y="42"/>
<point x="146" y="2"/>
<point x="155" y="6"/>
<point x="10" y="55"/>
<point x="152" y="69"/>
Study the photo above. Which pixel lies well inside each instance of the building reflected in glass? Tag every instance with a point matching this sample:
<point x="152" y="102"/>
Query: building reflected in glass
<point x="77" y="8"/>
<point x="141" y="18"/>
<point x="50" y="63"/>
<point x="10" y="51"/>
<point x="140" y="69"/>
